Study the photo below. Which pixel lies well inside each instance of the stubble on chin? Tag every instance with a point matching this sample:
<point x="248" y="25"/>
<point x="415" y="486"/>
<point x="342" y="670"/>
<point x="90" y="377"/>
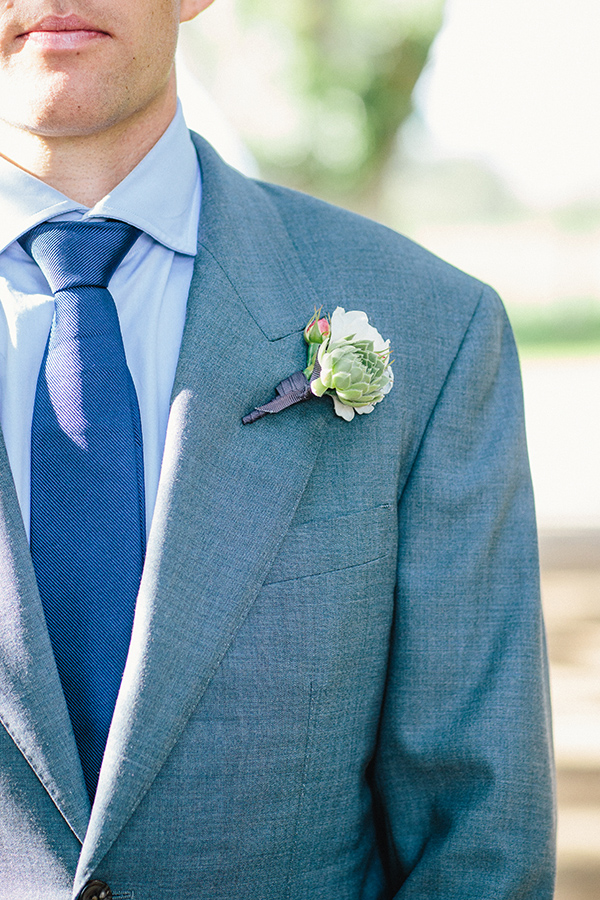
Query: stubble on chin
<point x="62" y="104"/>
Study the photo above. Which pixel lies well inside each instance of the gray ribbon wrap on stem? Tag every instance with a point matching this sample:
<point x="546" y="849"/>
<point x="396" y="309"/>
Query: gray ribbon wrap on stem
<point x="292" y="390"/>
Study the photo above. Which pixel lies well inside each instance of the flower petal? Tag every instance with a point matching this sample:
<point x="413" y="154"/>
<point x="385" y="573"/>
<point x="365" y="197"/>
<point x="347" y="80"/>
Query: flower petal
<point x="355" y="324"/>
<point x="317" y="387"/>
<point x="343" y="411"/>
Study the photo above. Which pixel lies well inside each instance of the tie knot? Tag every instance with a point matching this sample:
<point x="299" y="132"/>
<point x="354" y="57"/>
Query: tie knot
<point x="78" y="254"/>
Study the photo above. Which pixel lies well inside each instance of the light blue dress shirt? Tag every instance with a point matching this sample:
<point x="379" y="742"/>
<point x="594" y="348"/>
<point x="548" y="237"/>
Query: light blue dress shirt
<point x="161" y="196"/>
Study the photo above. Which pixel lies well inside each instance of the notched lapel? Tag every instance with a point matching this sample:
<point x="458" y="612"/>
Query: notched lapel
<point x="242" y="229"/>
<point x="227" y="495"/>
<point x="32" y="704"/>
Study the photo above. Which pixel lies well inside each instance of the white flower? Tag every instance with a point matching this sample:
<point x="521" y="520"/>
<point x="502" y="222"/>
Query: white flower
<point x="355" y="365"/>
<point x="355" y="324"/>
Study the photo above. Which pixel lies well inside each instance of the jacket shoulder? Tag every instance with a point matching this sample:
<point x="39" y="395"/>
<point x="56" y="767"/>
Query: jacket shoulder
<point x="411" y="295"/>
<point x="349" y="260"/>
<point x="360" y="251"/>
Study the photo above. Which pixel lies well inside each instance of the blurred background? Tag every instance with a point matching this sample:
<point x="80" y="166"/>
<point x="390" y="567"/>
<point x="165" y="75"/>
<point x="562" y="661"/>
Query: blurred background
<point x="473" y="126"/>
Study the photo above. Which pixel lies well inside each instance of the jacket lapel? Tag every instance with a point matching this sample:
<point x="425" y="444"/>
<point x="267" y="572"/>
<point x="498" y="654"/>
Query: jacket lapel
<point x="227" y="492"/>
<point x="32" y="704"/>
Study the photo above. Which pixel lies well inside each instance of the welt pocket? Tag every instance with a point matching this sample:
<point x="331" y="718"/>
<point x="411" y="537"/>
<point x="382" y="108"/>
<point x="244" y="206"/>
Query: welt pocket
<point x="335" y="543"/>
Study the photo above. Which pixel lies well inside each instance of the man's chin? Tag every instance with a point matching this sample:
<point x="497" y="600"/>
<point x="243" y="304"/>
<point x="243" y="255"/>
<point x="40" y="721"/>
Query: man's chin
<point x="57" y="110"/>
<point x="56" y="126"/>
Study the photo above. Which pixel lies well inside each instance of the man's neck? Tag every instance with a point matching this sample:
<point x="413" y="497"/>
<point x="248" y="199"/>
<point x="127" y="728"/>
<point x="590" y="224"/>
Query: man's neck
<point x="87" y="167"/>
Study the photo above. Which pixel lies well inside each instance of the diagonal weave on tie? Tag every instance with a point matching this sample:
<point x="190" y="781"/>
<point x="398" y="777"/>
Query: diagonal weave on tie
<point x="87" y="476"/>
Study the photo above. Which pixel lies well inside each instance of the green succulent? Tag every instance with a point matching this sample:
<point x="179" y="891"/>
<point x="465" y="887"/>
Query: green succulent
<point x="357" y="374"/>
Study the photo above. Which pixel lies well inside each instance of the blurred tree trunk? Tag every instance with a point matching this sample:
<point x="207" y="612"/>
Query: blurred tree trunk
<point x="353" y="72"/>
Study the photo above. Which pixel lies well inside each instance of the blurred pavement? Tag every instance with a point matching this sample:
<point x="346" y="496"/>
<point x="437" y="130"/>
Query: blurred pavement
<point x="571" y="596"/>
<point x="562" y="400"/>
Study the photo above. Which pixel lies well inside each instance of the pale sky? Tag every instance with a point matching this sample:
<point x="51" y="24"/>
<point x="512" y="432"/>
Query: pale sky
<point x="517" y="83"/>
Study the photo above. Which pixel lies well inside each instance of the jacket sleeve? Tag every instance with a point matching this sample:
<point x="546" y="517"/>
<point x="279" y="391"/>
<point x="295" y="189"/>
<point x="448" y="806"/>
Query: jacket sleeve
<point x="462" y="776"/>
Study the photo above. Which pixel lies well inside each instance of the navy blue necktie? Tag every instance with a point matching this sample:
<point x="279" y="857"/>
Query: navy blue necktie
<point x="87" y="476"/>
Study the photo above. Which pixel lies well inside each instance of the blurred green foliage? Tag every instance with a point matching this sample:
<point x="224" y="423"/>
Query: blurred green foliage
<point x="571" y="326"/>
<point x="350" y="70"/>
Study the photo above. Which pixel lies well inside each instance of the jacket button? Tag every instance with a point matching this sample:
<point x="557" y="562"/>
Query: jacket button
<point x="95" y="890"/>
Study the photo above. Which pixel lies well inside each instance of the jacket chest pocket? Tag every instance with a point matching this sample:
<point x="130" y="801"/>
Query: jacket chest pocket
<point x="336" y="544"/>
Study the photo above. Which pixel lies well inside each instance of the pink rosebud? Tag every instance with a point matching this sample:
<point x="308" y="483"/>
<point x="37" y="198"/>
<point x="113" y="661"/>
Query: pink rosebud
<point x="316" y="330"/>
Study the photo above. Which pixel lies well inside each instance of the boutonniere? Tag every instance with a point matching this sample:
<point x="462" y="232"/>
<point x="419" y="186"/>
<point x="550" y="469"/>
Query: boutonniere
<point x="348" y="360"/>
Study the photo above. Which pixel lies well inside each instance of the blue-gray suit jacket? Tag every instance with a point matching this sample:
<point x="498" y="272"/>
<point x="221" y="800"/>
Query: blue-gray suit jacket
<point x="336" y="685"/>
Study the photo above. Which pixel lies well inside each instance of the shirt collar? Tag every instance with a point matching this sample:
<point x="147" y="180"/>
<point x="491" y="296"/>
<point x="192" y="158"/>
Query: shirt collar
<point x="161" y="196"/>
